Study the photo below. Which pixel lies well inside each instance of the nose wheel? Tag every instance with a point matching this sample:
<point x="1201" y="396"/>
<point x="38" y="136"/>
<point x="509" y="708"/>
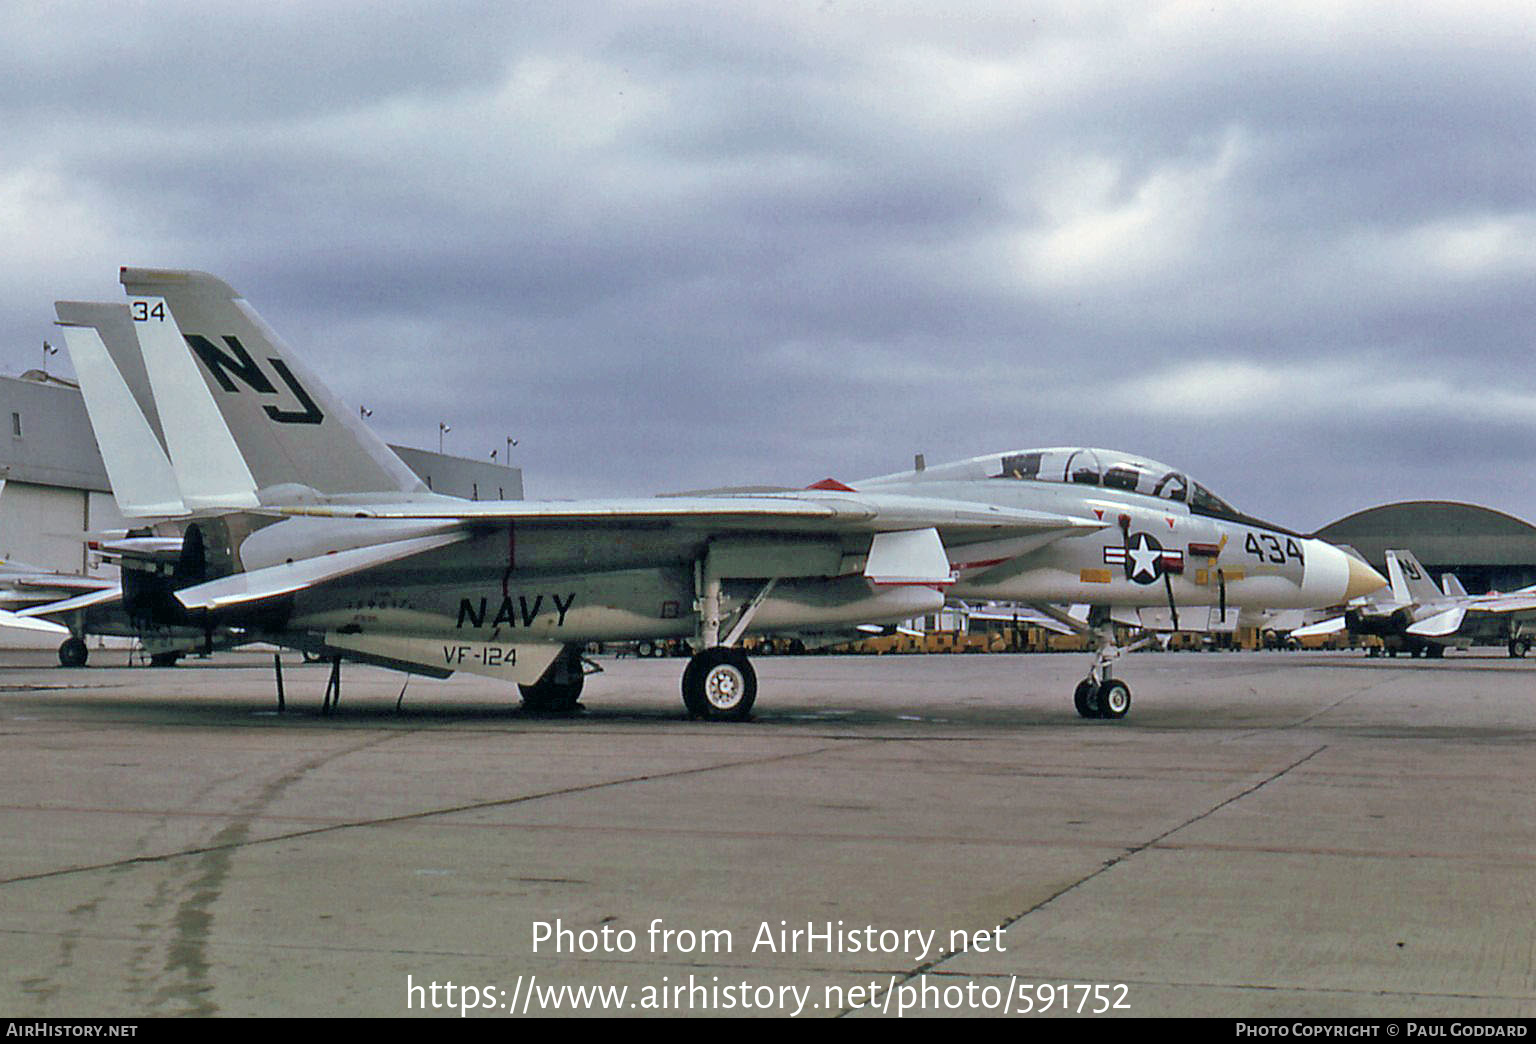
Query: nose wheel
<point x="1110" y="698"/>
<point x="1086" y="698"/>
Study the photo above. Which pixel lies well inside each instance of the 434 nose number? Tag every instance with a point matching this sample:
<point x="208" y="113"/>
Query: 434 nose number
<point x="1266" y="547"/>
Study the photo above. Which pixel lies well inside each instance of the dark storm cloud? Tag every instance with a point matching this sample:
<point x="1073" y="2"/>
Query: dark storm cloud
<point x="212" y="64"/>
<point x="673" y="246"/>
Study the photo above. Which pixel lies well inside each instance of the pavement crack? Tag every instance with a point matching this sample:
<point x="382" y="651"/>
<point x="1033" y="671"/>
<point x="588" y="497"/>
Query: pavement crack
<point x="410" y="817"/>
<point x="1108" y="865"/>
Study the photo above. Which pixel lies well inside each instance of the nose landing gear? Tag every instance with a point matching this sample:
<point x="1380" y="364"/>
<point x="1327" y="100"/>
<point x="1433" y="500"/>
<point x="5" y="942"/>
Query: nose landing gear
<point x="1108" y="699"/>
<point x="1101" y="695"/>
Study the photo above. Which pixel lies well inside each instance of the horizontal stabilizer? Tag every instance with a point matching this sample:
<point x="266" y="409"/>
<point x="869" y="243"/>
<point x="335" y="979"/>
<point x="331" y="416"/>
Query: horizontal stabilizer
<point x="1318" y="630"/>
<point x="1441" y="624"/>
<point x="273" y="581"/>
<point x="85" y="601"/>
<point x="150" y="547"/>
<point x="30" y="623"/>
<point x="58" y="582"/>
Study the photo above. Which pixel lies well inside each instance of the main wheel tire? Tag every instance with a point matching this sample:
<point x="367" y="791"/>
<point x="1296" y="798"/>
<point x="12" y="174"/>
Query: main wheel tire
<point x="719" y="684"/>
<point x="559" y="691"/>
<point x="73" y="652"/>
<point x="165" y="659"/>
<point x="1086" y="698"/>
<point x="1114" y="699"/>
<point x="692" y="695"/>
<point x="1518" y="647"/>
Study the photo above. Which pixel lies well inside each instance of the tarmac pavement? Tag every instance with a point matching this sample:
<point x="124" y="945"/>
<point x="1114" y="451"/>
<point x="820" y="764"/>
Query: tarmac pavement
<point x="1266" y="834"/>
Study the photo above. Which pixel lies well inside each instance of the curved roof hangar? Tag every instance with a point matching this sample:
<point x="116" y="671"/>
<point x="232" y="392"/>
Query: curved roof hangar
<point x="1441" y="533"/>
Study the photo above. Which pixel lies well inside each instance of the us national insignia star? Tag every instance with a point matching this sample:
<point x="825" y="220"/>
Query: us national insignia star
<point x="1146" y="562"/>
<point x="1144" y="559"/>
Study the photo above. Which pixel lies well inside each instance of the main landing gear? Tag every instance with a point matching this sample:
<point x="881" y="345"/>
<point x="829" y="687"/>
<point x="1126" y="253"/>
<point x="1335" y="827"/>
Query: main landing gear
<point x="1101" y="695"/>
<point x="719" y="684"/>
<point x="73" y="652"/>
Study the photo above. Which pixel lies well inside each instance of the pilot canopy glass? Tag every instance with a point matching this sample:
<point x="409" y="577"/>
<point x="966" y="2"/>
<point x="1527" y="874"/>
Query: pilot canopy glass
<point x="1111" y="470"/>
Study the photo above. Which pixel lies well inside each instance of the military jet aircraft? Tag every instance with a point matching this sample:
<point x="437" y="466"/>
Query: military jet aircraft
<point x="1172" y="556"/>
<point x="102" y="608"/>
<point x="302" y="528"/>
<point x="23" y="587"/>
<point x="1415" y="616"/>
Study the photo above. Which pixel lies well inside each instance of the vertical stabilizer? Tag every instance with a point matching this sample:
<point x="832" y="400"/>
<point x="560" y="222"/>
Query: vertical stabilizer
<point x="290" y="428"/>
<point x="1410" y="581"/>
<point x="105" y="352"/>
<point x="209" y="466"/>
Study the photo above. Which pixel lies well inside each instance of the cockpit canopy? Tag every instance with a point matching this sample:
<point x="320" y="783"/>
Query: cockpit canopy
<point x="1080" y="466"/>
<point x="1110" y="469"/>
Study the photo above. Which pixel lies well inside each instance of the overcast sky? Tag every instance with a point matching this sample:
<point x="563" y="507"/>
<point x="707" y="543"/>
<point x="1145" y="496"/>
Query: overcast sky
<point x="1288" y="247"/>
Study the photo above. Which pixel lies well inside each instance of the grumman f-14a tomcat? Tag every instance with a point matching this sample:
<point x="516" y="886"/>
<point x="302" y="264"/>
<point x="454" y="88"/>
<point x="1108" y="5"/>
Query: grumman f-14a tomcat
<point x="1415" y="616"/>
<point x="307" y="531"/>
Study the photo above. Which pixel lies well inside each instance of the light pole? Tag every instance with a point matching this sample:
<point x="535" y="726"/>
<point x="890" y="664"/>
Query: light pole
<point x="442" y="429"/>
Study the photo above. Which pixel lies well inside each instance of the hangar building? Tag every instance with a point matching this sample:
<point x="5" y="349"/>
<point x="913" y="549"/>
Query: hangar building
<point x="53" y="485"/>
<point x="1487" y="549"/>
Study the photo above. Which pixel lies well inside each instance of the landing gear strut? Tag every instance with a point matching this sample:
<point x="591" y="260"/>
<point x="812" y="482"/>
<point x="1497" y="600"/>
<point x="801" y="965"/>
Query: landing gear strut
<point x="1101" y="695"/>
<point x="719" y="683"/>
<point x="332" y="686"/>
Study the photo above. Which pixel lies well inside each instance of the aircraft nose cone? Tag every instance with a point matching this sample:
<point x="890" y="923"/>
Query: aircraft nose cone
<point x="1334" y="576"/>
<point x="1362" y="579"/>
